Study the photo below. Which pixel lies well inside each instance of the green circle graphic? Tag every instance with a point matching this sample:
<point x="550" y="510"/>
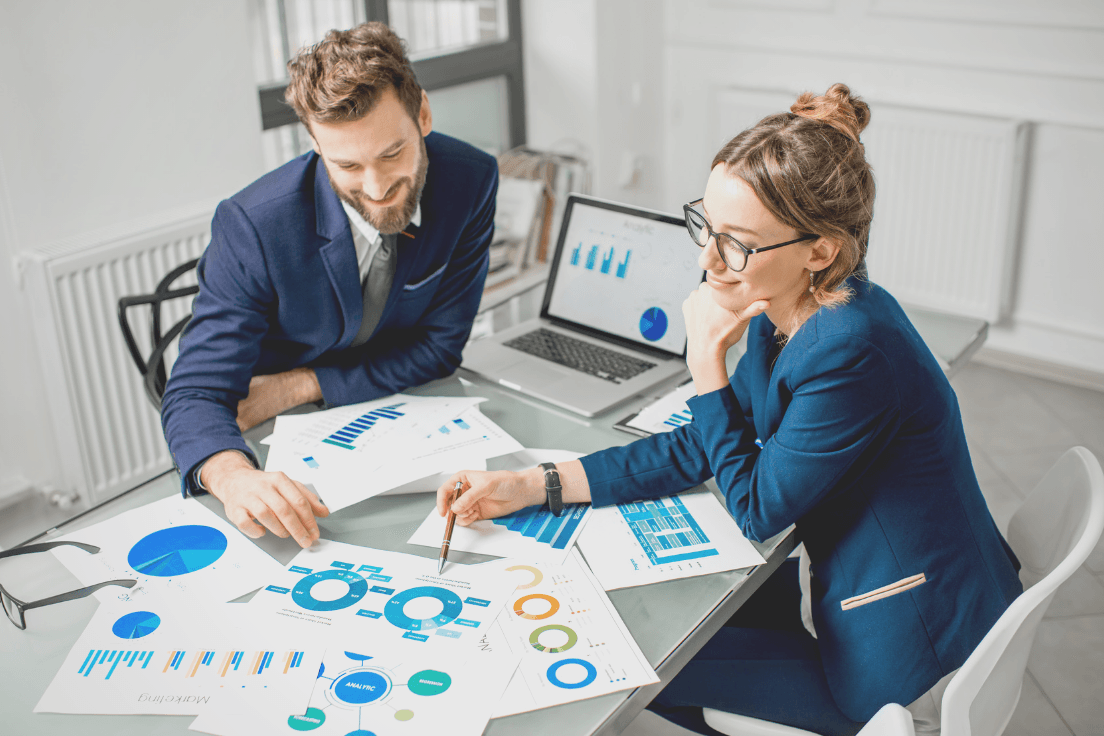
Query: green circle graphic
<point x="309" y="721"/>
<point x="404" y="715"/>
<point x="429" y="682"/>
<point x="534" y="639"/>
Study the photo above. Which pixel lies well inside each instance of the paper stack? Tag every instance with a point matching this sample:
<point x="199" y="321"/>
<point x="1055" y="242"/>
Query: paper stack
<point x="355" y="452"/>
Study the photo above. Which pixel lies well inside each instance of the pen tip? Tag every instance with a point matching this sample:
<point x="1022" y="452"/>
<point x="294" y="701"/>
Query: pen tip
<point x="440" y="565"/>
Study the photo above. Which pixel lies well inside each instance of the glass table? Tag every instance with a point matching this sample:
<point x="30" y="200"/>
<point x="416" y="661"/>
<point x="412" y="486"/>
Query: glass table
<point x="670" y="621"/>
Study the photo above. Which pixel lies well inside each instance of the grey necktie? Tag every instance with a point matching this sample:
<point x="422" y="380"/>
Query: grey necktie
<point x="377" y="287"/>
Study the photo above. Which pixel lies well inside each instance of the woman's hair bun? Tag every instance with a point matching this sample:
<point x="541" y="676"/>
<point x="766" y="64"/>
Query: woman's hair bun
<point x="836" y="107"/>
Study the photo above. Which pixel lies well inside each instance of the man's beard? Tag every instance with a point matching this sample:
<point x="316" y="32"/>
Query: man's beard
<point x="391" y="219"/>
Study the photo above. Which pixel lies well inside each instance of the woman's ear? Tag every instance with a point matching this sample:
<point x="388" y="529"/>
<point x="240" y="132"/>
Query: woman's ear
<point x="822" y="254"/>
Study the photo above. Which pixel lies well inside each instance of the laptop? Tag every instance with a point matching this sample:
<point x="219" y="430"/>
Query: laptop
<point x="610" y="326"/>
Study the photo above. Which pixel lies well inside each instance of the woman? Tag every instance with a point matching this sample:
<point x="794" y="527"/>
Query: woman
<point x="838" y="419"/>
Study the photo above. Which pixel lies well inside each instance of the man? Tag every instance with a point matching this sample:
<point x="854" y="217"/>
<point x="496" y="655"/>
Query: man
<point x="347" y="274"/>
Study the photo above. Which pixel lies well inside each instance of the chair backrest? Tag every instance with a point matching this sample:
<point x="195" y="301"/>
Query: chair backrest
<point x="152" y="368"/>
<point x="1052" y="533"/>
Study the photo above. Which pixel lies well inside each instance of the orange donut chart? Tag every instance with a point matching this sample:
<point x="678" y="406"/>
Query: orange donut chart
<point x="519" y="606"/>
<point x="538" y="576"/>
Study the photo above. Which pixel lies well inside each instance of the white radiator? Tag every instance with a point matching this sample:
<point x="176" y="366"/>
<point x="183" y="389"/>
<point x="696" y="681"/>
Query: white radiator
<point x="949" y="192"/>
<point x="107" y="434"/>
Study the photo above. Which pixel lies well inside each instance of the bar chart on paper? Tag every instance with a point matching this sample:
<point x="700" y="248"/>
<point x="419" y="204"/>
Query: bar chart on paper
<point x="664" y="539"/>
<point x="346" y="436"/>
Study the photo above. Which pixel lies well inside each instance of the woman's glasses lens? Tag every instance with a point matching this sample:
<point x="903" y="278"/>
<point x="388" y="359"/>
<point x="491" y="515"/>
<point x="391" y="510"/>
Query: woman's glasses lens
<point x="695" y="223"/>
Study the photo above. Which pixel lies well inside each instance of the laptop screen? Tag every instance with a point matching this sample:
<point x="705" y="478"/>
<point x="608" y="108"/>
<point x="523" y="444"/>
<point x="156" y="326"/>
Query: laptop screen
<point x="623" y="271"/>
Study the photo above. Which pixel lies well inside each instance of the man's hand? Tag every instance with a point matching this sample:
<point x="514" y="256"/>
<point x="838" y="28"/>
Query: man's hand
<point x="272" y="394"/>
<point x="255" y="500"/>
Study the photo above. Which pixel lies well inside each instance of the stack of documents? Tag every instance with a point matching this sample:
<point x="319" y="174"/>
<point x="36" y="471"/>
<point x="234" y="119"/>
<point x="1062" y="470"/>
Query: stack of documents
<point x="355" y="452"/>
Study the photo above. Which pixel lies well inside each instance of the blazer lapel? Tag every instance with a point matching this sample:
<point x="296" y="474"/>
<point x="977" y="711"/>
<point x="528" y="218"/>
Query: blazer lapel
<point x="760" y="335"/>
<point x="338" y="254"/>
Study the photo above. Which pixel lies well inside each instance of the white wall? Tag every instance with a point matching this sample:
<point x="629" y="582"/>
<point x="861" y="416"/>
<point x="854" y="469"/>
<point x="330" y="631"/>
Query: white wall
<point x="1036" y="60"/>
<point x="112" y="112"/>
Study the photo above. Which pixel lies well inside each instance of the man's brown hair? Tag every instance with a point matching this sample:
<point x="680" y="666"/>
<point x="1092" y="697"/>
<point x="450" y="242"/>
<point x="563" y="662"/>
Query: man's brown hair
<point x="342" y="77"/>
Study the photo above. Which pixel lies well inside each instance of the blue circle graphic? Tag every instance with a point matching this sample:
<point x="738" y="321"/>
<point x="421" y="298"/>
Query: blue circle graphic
<point x="591" y="675"/>
<point x="301" y="593"/>
<point x="136" y="625"/>
<point x="393" y="609"/>
<point x="177" y="550"/>
<point x="361" y="687"/>
<point x="653" y="323"/>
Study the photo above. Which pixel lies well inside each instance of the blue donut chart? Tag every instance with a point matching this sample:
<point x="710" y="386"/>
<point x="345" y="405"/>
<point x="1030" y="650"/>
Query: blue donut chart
<point x="591" y="676"/>
<point x="393" y="609"/>
<point x="653" y="323"/>
<point x="301" y="593"/>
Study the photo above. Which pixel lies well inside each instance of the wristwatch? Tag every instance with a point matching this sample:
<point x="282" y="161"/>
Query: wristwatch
<point x="552" y="488"/>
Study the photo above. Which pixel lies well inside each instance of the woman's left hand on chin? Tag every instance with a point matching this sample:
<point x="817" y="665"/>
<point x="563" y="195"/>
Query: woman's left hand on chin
<point x="711" y="330"/>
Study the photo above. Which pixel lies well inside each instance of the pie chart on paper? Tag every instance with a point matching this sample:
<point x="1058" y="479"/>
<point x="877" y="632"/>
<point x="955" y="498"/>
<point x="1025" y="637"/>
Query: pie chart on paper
<point x="653" y="324"/>
<point x="136" y="625"/>
<point x="177" y="550"/>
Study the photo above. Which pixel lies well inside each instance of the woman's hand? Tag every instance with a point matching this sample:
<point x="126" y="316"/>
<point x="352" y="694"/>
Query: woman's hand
<point x="490" y="494"/>
<point x="711" y="330"/>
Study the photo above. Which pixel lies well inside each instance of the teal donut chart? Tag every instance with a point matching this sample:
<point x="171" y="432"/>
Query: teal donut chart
<point x="301" y="593"/>
<point x="591" y="675"/>
<point x="393" y="609"/>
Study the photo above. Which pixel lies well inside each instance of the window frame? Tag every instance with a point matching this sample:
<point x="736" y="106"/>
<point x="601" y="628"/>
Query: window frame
<point x="485" y="61"/>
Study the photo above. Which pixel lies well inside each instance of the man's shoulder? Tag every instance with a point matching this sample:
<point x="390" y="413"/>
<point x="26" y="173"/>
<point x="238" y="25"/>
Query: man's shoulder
<point x="295" y="179"/>
<point x="449" y="156"/>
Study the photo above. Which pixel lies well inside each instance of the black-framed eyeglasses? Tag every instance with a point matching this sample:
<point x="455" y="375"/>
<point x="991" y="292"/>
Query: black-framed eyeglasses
<point x="16" y="609"/>
<point x="732" y="251"/>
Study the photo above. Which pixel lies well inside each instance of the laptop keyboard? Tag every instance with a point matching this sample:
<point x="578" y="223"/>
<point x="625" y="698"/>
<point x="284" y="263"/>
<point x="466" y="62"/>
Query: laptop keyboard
<point x="583" y="356"/>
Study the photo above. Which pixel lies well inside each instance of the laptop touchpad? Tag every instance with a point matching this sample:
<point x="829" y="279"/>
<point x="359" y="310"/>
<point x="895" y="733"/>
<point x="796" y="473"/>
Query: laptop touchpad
<point x="534" y="374"/>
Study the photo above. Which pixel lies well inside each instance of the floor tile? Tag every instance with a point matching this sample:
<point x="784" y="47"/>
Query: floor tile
<point x="1003" y="416"/>
<point x="1068" y="663"/>
<point x="1035" y="715"/>
<point x="649" y="724"/>
<point x="1026" y="467"/>
<point x="1000" y="494"/>
<point x="1081" y="595"/>
<point x="1080" y="409"/>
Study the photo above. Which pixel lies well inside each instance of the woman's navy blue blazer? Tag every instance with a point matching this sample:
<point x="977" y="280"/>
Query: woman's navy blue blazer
<point x="863" y="449"/>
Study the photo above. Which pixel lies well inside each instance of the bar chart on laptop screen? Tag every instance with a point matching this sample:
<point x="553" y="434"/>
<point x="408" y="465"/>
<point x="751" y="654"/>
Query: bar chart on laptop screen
<point x="625" y="274"/>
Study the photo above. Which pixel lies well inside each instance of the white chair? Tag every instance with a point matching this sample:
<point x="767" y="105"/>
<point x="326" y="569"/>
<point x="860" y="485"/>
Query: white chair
<point x="1052" y="533"/>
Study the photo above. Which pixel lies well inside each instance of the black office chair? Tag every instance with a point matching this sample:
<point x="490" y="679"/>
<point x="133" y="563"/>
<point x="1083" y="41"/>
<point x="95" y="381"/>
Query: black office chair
<point x="152" y="368"/>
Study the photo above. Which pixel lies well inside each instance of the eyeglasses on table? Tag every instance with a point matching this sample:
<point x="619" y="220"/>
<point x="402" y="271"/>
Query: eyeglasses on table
<point x="16" y="609"/>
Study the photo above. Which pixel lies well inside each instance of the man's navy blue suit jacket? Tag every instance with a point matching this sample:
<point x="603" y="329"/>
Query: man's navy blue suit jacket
<point x="279" y="288"/>
<point x="863" y="449"/>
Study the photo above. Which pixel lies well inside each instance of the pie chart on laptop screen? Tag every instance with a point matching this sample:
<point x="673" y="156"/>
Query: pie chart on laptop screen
<point x="653" y="324"/>
<point x="177" y="550"/>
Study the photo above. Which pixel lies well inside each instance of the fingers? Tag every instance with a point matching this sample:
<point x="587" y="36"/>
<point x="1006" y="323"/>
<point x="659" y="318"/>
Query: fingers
<point x="447" y="492"/>
<point x="294" y="510"/>
<point x="465" y="505"/>
<point x="753" y="310"/>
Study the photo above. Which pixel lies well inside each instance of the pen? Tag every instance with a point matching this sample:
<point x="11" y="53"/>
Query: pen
<point x="449" y="524"/>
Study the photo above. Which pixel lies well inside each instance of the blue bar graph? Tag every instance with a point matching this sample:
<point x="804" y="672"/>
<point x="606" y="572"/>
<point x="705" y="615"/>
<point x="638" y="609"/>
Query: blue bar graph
<point x="623" y="266"/>
<point x="114" y="657"/>
<point x="592" y="256"/>
<point x="607" y="261"/>
<point x="347" y="435"/>
<point x="538" y="523"/>
<point x="575" y="254"/>
<point x="666" y="531"/>
<point x="679" y="418"/>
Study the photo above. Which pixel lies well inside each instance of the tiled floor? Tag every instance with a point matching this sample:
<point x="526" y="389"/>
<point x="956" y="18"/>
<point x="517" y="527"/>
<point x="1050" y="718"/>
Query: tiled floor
<point x="1018" y="427"/>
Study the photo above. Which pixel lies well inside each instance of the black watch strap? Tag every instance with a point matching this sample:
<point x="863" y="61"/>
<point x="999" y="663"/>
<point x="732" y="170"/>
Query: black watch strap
<point x="552" y="488"/>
